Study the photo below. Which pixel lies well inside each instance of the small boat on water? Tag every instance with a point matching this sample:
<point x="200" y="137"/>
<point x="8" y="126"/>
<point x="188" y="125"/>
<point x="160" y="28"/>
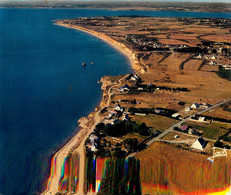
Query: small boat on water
<point x="84" y="64"/>
<point x="92" y="63"/>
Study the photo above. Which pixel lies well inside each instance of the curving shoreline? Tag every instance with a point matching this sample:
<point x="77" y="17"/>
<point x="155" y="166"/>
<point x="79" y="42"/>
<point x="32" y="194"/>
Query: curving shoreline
<point x="86" y="124"/>
<point x="127" y="52"/>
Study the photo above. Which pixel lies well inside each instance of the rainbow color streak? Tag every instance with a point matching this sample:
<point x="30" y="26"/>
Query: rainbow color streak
<point x="158" y="189"/>
<point x="90" y="174"/>
<point x="118" y="176"/>
<point x="161" y="176"/>
<point x="210" y="160"/>
<point x="53" y="167"/>
<point x="74" y="181"/>
<point x="146" y="176"/>
<point x="92" y="186"/>
<point x="100" y="164"/>
<point x="64" y="178"/>
<point x="190" y="177"/>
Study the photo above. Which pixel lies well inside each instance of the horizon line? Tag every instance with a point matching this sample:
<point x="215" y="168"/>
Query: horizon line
<point x="132" y="1"/>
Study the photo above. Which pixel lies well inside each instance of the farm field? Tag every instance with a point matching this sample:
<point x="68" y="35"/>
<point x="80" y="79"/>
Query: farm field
<point x="169" y="175"/>
<point x="156" y="122"/>
<point x="212" y="130"/>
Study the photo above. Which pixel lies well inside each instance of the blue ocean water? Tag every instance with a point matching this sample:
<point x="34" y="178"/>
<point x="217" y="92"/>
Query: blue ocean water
<point x="44" y="89"/>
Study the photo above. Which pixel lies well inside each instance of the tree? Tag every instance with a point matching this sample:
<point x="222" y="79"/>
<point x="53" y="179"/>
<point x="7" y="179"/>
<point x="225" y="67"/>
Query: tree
<point x="131" y="144"/>
<point x="109" y="144"/>
<point x="99" y="128"/>
<point x="181" y="103"/>
<point x="122" y="128"/>
<point x="117" y="152"/>
<point x="106" y="153"/>
<point x="227" y="138"/>
<point x="143" y="130"/>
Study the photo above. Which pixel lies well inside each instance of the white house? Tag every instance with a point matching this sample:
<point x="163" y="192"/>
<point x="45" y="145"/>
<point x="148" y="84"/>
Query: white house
<point x="114" y="121"/>
<point x="158" y="111"/>
<point x="93" y="138"/>
<point x="213" y="57"/>
<point x="121" y="89"/>
<point x="175" y="115"/>
<point x="126" y="87"/>
<point x="119" y="108"/>
<point x="193" y="132"/>
<point x="125" y="117"/>
<point x="93" y="148"/>
<point x="187" y="109"/>
<point x="201" y="119"/>
<point x="212" y="63"/>
<point x="200" y="56"/>
<point x="199" y="144"/>
<point x="194" y="106"/>
<point x="134" y="77"/>
<point x="110" y="115"/>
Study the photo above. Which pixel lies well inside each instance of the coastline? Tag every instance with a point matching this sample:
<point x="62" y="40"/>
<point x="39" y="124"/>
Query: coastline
<point x="86" y="124"/>
<point x="123" y="49"/>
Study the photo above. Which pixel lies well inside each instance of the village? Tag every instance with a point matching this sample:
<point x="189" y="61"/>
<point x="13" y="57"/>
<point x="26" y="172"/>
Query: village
<point x="167" y="99"/>
<point x="119" y="135"/>
<point x="206" y="48"/>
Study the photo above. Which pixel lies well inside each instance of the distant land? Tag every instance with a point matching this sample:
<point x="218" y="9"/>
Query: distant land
<point x="135" y="5"/>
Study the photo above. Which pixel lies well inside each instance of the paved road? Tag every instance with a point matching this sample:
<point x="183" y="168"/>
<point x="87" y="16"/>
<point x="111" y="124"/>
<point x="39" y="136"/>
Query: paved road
<point x="185" y="120"/>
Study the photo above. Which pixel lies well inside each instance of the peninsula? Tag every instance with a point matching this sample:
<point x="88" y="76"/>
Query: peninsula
<point x="171" y="113"/>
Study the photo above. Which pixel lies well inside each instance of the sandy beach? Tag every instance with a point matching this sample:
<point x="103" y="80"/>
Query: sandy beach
<point x="86" y="124"/>
<point x="127" y="52"/>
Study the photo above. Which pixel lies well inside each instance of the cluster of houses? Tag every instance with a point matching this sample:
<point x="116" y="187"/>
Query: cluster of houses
<point x="186" y="129"/>
<point x="133" y="77"/>
<point x="134" y="101"/>
<point x="199" y="143"/>
<point x="146" y="44"/>
<point x="204" y="20"/>
<point x="226" y="67"/>
<point x="200" y="119"/>
<point x="211" y="57"/>
<point x="124" y="88"/>
<point x="112" y="119"/>
<point x="196" y="106"/>
<point x="141" y="41"/>
<point x="113" y="115"/>
<point x="214" y="50"/>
